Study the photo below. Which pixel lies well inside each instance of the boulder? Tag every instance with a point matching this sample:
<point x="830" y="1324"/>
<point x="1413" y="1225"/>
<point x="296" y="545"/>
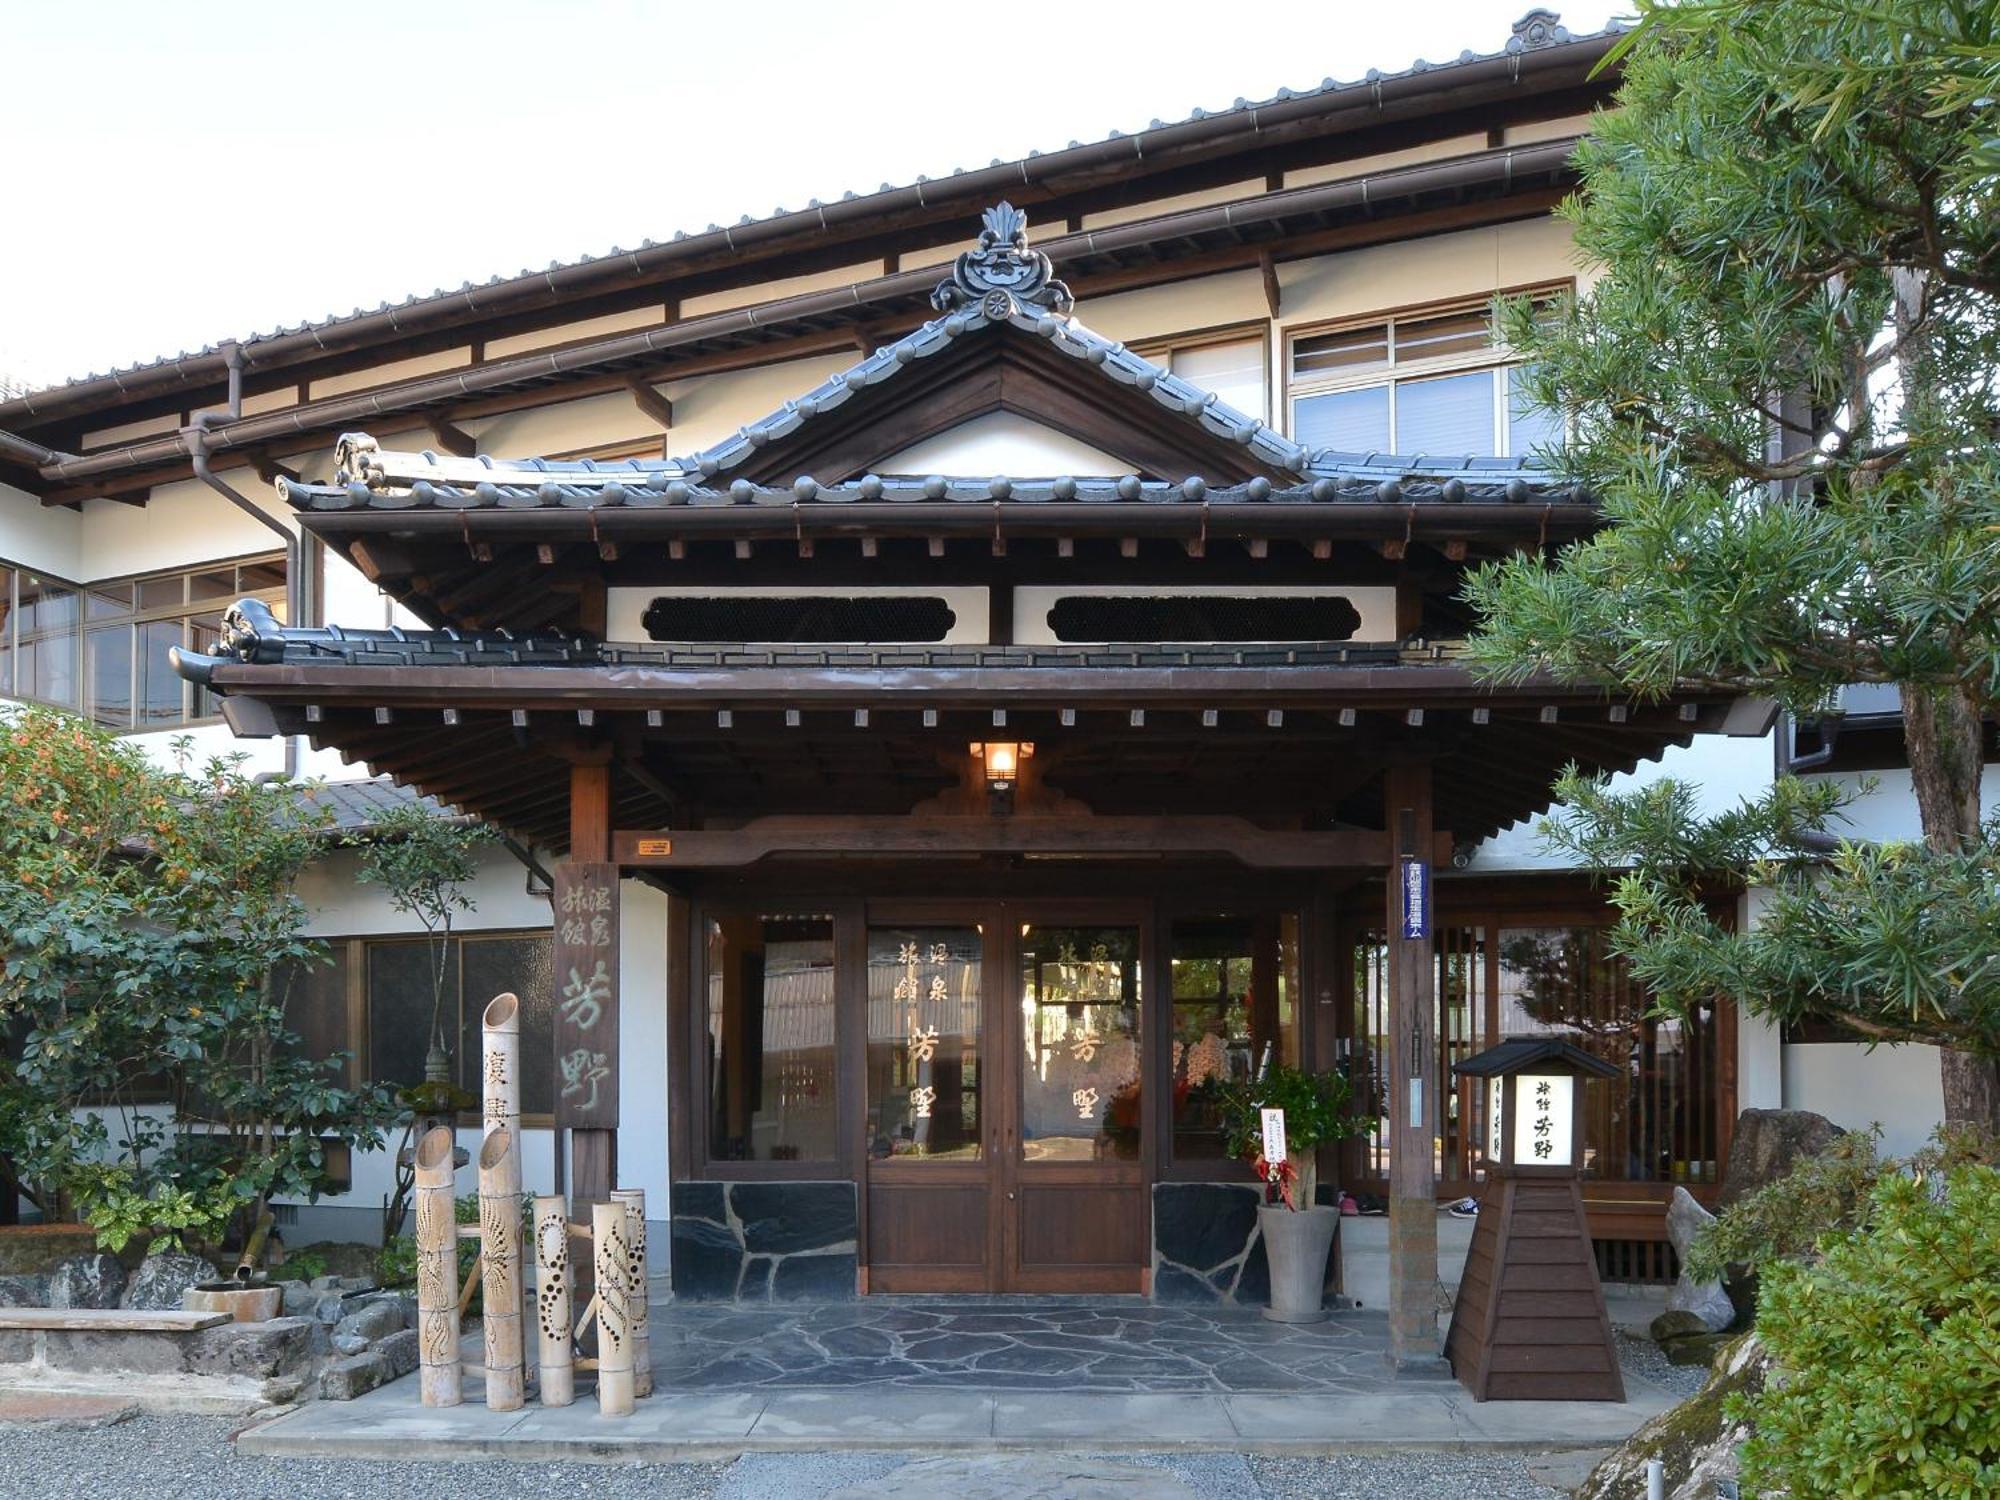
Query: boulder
<point x="1695" y="1441"/>
<point x="357" y="1374"/>
<point x="29" y="1248"/>
<point x="374" y="1319"/>
<point x="1707" y="1300"/>
<point x="87" y="1281"/>
<point x="348" y="1343"/>
<point x="1669" y="1326"/>
<point x="163" y="1280"/>
<point x="300" y="1300"/>
<point x="1768" y="1143"/>
<point x="24" y="1291"/>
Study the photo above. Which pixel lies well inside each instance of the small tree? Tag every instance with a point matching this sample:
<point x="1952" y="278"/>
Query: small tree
<point x="423" y="859"/>
<point x="1786" y="390"/>
<point x="149" y="919"/>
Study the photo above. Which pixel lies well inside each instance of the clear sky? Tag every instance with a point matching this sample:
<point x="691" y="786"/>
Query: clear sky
<point x="188" y="171"/>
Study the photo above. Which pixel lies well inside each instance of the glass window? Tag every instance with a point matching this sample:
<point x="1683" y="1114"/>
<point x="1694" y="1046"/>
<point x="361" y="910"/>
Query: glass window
<point x="106" y="600"/>
<point x="400" y="1001"/>
<point x="1080" y="1035"/>
<point x="1355" y="421"/>
<point x="1449" y="415"/>
<point x="1529" y="429"/>
<point x="1235" y="1011"/>
<point x="160" y="688"/>
<point x="6" y="631"/>
<point x="315" y="1000"/>
<point x="169" y="592"/>
<point x="110" y="659"/>
<point x="1234" y="371"/>
<point x="48" y="644"/>
<point x="1391" y="387"/>
<point x="770" y="1062"/>
<point x="522" y="964"/>
<point x="923" y="1043"/>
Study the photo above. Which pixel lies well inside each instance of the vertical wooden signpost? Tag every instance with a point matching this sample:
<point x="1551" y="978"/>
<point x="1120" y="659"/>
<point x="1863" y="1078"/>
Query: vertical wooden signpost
<point x="1413" y="1257"/>
<point x="586" y="1021"/>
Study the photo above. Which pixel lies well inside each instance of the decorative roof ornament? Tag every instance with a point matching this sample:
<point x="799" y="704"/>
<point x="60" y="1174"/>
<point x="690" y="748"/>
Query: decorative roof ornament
<point x="1537" y="29"/>
<point x="1003" y="275"/>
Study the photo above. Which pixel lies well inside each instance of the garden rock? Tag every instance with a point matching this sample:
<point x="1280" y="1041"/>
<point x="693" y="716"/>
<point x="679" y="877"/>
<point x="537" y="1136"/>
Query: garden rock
<point x="372" y="1320"/>
<point x="1679" y="1324"/>
<point x="357" y="1374"/>
<point x="1707" y="1300"/>
<point x="87" y="1281"/>
<point x="348" y="1343"/>
<point x="162" y="1280"/>
<point x="1695" y="1442"/>
<point x="301" y="1301"/>
<point x="24" y="1291"/>
<point x="1767" y="1144"/>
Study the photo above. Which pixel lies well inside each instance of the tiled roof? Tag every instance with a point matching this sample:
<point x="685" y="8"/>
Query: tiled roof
<point x="356" y="807"/>
<point x="1535" y="31"/>
<point x="252" y="635"/>
<point x="1002" y="285"/>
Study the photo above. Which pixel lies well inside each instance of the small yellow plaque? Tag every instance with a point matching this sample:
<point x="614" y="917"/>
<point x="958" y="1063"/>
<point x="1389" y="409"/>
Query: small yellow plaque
<point x="655" y="848"/>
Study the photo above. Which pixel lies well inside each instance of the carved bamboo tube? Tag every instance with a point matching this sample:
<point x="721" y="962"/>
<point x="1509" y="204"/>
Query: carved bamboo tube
<point x="614" y="1310"/>
<point x="437" y="1271"/>
<point x="552" y="1309"/>
<point x="500" y="1251"/>
<point x="634" y="1200"/>
<point x="500" y="1064"/>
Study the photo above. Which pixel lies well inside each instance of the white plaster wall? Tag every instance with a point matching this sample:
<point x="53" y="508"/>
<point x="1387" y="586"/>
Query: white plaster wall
<point x="1888" y="809"/>
<point x="344" y="905"/>
<point x="41" y="538"/>
<point x="1375" y="603"/>
<point x="642" y="1052"/>
<point x="1468" y="263"/>
<point x="708" y="409"/>
<point x="625" y="608"/>
<point x="1003" y="442"/>
<point x="184" y="524"/>
<point x="1897" y="1088"/>
<point x="1726" y="768"/>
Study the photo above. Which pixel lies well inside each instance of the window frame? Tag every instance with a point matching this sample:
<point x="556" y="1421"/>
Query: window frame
<point x="132" y="620"/>
<point x="1390" y="373"/>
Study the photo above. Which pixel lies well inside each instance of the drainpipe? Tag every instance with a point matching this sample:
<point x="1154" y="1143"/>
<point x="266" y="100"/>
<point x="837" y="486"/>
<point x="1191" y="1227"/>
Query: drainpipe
<point x="195" y="436"/>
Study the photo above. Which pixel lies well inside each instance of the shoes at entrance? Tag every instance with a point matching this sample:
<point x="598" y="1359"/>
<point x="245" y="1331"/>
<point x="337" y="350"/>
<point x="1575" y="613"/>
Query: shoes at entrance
<point x="1370" y="1204"/>
<point x="1465" y="1208"/>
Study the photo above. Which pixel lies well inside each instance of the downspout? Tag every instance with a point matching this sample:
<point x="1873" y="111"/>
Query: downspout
<point x="195" y="436"/>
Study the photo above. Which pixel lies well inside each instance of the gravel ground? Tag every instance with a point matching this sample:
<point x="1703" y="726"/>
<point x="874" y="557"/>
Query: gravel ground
<point x="1642" y="1357"/>
<point x="191" y="1458"/>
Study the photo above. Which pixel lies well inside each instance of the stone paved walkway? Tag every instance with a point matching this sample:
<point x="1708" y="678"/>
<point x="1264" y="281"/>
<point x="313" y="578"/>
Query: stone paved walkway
<point x="1107" y="1344"/>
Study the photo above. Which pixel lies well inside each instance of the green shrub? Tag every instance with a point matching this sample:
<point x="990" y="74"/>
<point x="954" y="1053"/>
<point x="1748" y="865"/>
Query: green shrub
<point x="1887" y="1350"/>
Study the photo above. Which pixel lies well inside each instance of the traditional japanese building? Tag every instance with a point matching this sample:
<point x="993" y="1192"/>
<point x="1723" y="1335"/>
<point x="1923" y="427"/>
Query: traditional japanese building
<point x="968" y="692"/>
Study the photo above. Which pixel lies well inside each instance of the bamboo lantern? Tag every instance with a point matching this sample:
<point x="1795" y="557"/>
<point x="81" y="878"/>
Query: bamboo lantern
<point x="437" y="1271"/>
<point x="634" y="1200"/>
<point x="500" y="1255"/>
<point x="614" y="1309"/>
<point x="552" y="1301"/>
<point x="500" y="1066"/>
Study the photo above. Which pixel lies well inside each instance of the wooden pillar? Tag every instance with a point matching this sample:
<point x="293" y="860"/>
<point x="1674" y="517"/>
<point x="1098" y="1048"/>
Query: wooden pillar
<point x="1413" y="1082"/>
<point x="587" y="1055"/>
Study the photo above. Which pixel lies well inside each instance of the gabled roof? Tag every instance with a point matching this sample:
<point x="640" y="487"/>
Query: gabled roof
<point x="1000" y="289"/>
<point x="1518" y="1053"/>
<point x="1535" y="39"/>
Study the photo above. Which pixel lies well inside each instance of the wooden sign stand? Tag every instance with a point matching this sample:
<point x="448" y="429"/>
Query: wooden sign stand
<point x="1529" y="1323"/>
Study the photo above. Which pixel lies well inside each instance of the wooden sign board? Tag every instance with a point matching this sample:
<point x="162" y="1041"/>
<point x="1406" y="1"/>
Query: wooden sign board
<point x="586" y="1018"/>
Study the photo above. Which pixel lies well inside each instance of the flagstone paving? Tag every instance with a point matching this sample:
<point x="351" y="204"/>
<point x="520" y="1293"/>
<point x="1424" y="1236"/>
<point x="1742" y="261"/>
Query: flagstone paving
<point x="1052" y="1344"/>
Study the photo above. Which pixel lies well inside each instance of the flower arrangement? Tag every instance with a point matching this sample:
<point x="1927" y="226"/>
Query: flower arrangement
<point x="1316" y="1107"/>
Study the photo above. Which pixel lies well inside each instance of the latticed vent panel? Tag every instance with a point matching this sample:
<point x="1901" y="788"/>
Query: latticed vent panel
<point x="1203" y="617"/>
<point x="1648" y="1261"/>
<point x="813" y="617"/>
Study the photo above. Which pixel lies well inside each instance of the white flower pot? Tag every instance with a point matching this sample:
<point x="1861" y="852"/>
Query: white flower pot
<point x="1297" y="1245"/>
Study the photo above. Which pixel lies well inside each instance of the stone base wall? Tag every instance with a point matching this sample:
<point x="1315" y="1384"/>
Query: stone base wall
<point x="235" y="1367"/>
<point x="1207" y="1246"/>
<point x="765" y="1241"/>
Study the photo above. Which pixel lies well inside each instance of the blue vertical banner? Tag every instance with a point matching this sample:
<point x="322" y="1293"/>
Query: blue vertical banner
<point x="1416" y="877"/>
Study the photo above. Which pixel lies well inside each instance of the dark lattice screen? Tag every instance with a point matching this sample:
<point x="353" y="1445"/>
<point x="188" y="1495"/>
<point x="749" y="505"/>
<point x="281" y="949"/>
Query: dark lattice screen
<point x="1203" y="617"/>
<point x="725" y="617"/>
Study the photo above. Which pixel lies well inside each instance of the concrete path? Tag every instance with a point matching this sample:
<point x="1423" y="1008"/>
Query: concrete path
<point x="389" y="1424"/>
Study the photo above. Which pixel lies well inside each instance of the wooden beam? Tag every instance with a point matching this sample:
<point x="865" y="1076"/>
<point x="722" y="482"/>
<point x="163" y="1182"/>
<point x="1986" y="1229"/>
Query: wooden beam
<point x="453" y="439"/>
<point x="652" y="403"/>
<point x="836" y="835"/>
<point x="1273" y="293"/>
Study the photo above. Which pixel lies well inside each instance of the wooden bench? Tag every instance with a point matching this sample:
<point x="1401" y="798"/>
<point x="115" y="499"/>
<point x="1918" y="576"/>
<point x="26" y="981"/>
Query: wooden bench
<point x="107" y="1320"/>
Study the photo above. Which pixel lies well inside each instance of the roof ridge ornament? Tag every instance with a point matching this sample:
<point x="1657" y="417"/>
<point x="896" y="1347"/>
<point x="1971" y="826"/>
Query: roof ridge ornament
<point x="1539" y="28"/>
<point x="1002" y="275"/>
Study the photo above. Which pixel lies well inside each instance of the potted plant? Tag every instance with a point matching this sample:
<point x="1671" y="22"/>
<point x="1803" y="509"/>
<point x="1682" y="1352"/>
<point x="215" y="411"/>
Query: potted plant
<point x="1298" y="1232"/>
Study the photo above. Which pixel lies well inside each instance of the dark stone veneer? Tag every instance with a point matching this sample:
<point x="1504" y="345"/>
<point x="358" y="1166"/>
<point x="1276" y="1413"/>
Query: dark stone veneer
<point x="765" y="1241"/>
<point x="1207" y="1247"/>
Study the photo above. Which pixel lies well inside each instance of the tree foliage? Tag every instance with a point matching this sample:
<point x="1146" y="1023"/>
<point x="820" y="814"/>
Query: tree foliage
<point x="150" y="922"/>
<point x="1785" y="389"/>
